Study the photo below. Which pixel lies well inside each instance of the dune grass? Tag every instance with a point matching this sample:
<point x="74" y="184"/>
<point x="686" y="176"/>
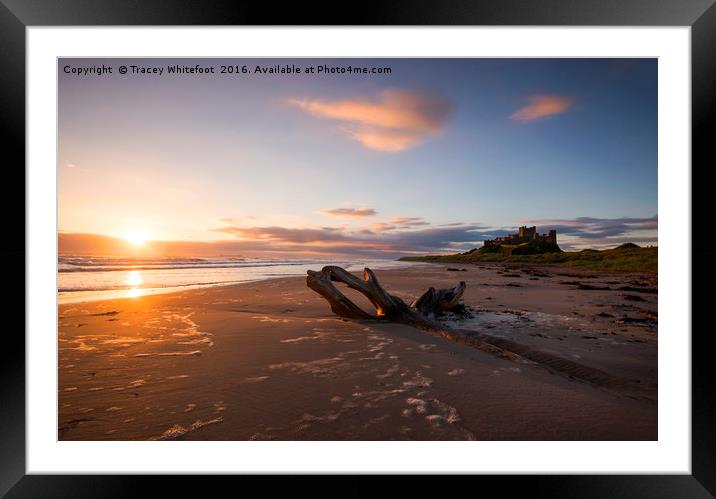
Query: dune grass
<point x="628" y="257"/>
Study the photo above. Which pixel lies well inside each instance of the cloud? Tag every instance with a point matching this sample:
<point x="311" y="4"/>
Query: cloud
<point x="384" y="140"/>
<point x="413" y="235"/>
<point x="408" y="221"/>
<point x="387" y="240"/>
<point x="601" y="232"/>
<point x="397" y="120"/>
<point x="393" y="241"/>
<point x="350" y="212"/>
<point x="395" y="223"/>
<point x="285" y="234"/>
<point x="541" y="106"/>
<point x="597" y="228"/>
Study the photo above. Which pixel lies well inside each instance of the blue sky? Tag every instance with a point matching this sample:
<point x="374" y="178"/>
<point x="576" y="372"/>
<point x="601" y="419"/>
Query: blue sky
<point x="435" y="156"/>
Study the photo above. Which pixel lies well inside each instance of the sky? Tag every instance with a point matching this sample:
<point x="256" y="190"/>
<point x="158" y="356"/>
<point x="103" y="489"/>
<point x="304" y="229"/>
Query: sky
<point x="435" y="156"/>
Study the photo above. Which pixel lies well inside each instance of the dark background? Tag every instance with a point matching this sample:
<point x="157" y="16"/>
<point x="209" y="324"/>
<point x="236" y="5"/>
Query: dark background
<point x="15" y="15"/>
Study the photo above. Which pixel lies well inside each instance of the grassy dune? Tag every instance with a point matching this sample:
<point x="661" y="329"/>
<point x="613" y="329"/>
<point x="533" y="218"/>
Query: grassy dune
<point x="627" y="257"/>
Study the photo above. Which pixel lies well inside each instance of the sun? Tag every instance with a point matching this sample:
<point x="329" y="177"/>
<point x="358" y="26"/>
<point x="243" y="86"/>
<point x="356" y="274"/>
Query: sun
<point x="135" y="237"/>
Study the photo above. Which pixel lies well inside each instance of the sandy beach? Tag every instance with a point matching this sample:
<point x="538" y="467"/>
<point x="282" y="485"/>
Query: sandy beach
<point x="269" y="360"/>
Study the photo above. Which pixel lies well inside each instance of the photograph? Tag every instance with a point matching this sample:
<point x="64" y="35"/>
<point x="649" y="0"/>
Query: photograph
<point x="357" y="249"/>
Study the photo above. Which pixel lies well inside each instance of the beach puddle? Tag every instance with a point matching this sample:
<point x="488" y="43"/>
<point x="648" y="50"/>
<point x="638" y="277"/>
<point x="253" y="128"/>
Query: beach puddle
<point x="319" y="335"/>
<point x="266" y="318"/>
<point x="418" y="382"/>
<point x="177" y="430"/>
<point x="436" y="413"/>
<point x="255" y="379"/>
<point x="321" y="367"/>
<point x="510" y="320"/>
<point x="389" y="372"/>
<point x="170" y="354"/>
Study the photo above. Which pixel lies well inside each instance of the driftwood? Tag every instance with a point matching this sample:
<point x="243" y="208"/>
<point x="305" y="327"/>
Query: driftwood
<point x="423" y="313"/>
<point x="436" y="301"/>
<point x="387" y="307"/>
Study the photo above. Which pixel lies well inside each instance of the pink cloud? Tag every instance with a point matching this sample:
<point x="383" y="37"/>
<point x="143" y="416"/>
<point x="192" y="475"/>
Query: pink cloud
<point x="398" y="223"/>
<point x="408" y="221"/>
<point x="395" y="121"/>
<point x="350" y="212"/>
<point x="384" y="140"/>
<point x="541" y="106"/>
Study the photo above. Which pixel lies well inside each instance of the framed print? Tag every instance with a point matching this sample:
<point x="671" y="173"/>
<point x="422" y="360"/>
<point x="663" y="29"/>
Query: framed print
<point x="432" y="240"/>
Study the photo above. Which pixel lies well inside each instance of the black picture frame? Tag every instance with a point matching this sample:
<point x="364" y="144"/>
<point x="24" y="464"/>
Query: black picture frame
<point x="700" y="15"/>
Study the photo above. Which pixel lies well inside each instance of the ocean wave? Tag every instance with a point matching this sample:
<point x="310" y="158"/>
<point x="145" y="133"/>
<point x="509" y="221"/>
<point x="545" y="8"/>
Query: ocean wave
<point x="83" y="264"/>
<point x="116" y="268"/>
<point x="87" y="279"/>
<point x="154" y="286"/>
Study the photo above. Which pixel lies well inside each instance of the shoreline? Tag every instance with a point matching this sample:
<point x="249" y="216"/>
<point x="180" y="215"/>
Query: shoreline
<point x="269" y="360"/>
<point x="415" y="264"/>
<point x="145" y="291"/>
<point x="85" y="296"/>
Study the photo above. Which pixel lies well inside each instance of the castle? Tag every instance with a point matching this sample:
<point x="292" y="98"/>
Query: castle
<point x="524" y="235"/>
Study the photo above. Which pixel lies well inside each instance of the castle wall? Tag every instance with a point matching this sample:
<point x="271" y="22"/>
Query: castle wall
<point x="524" y="234"/>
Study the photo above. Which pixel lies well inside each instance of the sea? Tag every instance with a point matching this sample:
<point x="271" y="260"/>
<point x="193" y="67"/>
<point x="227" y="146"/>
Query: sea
<point x="85" y="278"/>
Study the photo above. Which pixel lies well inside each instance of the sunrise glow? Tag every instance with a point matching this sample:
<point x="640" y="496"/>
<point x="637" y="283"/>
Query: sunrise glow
<point x="135" y="237"/>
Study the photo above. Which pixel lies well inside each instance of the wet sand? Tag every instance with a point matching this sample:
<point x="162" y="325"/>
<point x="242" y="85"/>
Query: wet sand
<point x="269" y="360"/>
